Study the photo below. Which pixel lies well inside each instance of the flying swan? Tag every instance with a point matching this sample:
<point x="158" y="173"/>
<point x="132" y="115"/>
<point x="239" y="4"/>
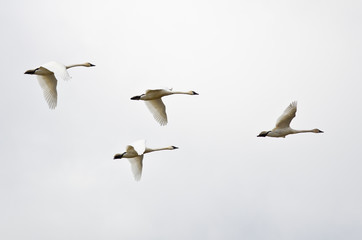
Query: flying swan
<point x="134" y="152"/>
<point x="282" y="127"/>
<point x="48" y="74"/>
<point x="154" y="102"/>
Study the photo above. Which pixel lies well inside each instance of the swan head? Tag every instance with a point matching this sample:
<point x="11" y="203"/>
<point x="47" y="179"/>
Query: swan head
<point x="118" y="156"/>
<point x="88" y="64"/>
<point x="263" y="134"/>
<point x="193" y="93"/>
<point x="316" y="130"/>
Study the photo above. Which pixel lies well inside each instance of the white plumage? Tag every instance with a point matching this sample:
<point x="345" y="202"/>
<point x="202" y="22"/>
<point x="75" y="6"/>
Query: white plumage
<point x="135" y="152"/>
<point x="48" y="74"/>
<point x="155" y="104"/>
<point x="282" y="127"/>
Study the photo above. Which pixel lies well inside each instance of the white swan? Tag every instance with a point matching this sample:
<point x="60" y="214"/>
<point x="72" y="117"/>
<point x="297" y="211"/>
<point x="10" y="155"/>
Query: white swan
<point x="47" y="75"/>
<point x="282" y="127"/>
<point x="135" y="152"/>
<point x="154" y="102"/>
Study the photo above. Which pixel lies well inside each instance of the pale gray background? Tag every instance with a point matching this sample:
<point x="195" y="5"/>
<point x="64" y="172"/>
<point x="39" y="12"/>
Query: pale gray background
<point x="247" y="59"/>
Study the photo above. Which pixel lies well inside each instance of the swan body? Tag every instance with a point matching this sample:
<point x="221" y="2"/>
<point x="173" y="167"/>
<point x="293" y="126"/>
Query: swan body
<point x="282" y="127"/>
<point x="155" y="104"/>
<point x="134" y="152"/>
<point x="48" y="74"/>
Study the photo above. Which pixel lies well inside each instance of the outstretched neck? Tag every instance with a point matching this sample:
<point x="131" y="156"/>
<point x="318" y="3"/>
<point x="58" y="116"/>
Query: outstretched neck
<point x="157" y="149"/>
<point x="302" y="131"/>
<point x="179" y="92"/>
<point x="77" y="65"/>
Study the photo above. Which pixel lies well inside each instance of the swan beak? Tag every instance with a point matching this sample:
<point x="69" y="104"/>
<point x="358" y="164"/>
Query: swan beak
<point x="321" y="131"/>
<point x="118" y="156"/>
<point x="30" y="72"/>
<point x="91" y="65"/>
<point x="136" y="98"/>
<point x="194" y="93"/>
<point x="263" y="134"/>
<point x="174" y="147"/>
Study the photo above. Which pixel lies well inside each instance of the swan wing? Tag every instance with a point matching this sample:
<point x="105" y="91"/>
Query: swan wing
<point x="58" y="69"/>
<point x="49" y="85"/>
<point x="131" y="151"/>
<point x="287" y="116"/>
<point x="139" y="146"/>
<point x="136" y="166"/>
<point x="153" y="91"/>
<point x="158" y="91"/>
<point x="158" y="110"/>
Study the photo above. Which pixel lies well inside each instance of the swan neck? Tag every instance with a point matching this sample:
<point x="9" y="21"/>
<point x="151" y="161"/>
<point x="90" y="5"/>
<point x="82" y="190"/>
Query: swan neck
<point x="155" y="149"/>
<point x="178" y="92"/>
<point x="76" y="65"/>
<point x="302" y="131"/>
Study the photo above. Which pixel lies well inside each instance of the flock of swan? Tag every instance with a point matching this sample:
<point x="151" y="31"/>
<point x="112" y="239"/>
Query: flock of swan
<point x="48" y="74"/>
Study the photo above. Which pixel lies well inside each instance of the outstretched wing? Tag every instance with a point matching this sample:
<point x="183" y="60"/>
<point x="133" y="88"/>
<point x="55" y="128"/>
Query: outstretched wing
<point x="136" y="166"/>
<point x="49" y="85"/>
<point x="157" y="93"/>
<point x="58" y="69"/>
<point x="131" y="151"/>
<point x="158" y="110"/>
<point x="154" y="91"/>
<point x="287" y="116"/>
<point x="139" y="146"/>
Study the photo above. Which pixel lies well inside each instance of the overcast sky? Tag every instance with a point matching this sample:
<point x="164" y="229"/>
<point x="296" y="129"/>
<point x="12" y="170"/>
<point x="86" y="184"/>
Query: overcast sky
<point x="247" y="59"/>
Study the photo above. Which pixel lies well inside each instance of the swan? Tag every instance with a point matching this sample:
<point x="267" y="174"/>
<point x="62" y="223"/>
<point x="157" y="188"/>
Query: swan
<point x="48" y="74"/>
<point x="282" y="127"/>
<point x="154" y="102"/>
<point x="134" y="152"/>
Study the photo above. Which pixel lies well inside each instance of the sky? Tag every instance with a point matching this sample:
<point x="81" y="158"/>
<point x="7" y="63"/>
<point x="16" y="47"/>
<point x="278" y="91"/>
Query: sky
<point x="247" y="59"/>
